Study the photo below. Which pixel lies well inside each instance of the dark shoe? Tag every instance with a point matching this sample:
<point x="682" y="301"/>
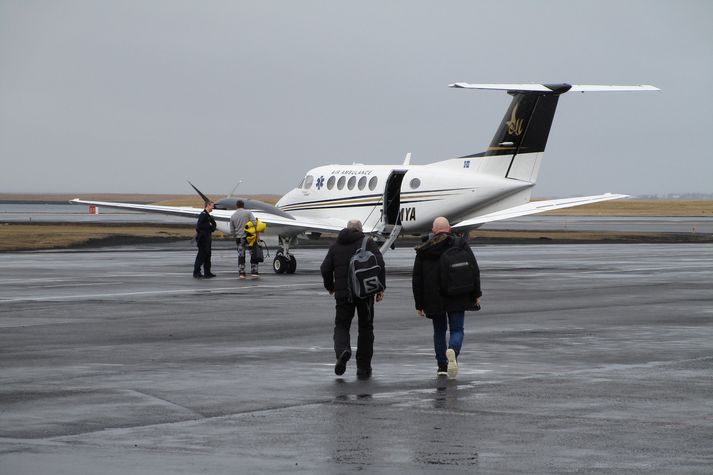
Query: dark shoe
<point x="363" y="373"/>
<point x="242" y="276"/>
<point x="442" y="370"/>
<point x="209" y="275"/>
<point x="197" y="276"/>
<point x="341" y="365"/>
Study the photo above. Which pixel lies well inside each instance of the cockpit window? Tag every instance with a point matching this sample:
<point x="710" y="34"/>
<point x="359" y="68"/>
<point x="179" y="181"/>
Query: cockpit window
<point x="309" y="179"/>
<point x="302" y="182"/>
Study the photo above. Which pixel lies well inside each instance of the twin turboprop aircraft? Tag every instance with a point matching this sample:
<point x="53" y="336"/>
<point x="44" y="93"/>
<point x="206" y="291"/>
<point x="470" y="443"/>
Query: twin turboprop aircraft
<point x="394" y="200"/>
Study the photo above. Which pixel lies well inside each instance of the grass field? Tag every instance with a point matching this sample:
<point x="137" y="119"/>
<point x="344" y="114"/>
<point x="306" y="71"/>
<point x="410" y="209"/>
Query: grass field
<point x="17" y="237"/>
<point x="25" y="237"/>
<point x="633" y="207"/>
<point x="625" y="207"/>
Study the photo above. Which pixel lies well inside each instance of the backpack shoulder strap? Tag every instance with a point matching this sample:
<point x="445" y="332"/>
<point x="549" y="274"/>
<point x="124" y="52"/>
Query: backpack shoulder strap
<point x="460" y="241"/>
<point x="364" y="242"/>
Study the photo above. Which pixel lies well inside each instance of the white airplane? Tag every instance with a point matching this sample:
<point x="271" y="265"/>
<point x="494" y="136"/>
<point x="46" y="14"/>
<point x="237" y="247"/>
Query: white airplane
<point x="393" y="200"/>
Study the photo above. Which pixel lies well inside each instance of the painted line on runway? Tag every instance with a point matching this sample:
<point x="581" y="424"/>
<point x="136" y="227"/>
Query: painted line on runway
<point x="73" y="285"/>
<point x="160" y="292"/>
<point x="84" y="276"/>
<point x="149" y="292"/>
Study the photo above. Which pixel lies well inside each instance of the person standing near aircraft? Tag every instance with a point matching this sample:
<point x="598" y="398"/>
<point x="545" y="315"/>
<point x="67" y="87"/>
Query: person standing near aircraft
<point x="335" y="270"/>
<point x="204" y="240"/>
<point x="238" y="220"/>
<point x="434" y="301"/>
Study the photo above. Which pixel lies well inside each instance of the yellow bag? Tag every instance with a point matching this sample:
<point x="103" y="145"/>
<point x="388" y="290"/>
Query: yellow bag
<point x="252" y="231"/>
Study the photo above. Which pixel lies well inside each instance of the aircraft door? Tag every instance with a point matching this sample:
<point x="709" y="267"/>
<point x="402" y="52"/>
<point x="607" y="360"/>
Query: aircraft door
<point x="392" y="198"/>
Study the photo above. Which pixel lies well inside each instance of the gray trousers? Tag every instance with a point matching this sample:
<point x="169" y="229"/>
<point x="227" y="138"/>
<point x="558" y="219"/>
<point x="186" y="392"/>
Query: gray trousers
<point x="242" y="244"/>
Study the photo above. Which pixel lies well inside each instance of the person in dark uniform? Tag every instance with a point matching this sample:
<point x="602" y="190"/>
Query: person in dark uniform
<point x="204" y="240"/>
<point x="334" y="270"/>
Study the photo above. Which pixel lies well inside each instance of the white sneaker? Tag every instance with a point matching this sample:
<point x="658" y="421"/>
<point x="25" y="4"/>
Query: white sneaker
<point x="452" y="363"/>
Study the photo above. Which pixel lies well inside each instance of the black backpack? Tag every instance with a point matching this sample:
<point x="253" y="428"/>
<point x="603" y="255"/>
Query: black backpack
<point x="363" y="277"/>
<point x="457" y="270"/>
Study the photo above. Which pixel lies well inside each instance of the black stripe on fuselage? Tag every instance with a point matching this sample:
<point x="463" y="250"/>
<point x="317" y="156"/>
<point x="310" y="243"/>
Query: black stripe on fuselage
<point x="360" y="205"/>
<point x="349" y="201"/>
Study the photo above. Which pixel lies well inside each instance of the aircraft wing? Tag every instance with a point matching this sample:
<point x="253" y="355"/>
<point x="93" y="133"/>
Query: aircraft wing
<point x="185" y="211"/>
<point x="276" y="224"/>
<point x="279" y="225"/>
<point x="533" y="207"/>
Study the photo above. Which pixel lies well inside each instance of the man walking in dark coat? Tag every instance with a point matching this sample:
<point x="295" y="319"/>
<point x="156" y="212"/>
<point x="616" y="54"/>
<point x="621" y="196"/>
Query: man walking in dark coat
<point x="445" y="311"/>
<point x="204" y="240"/>
<point x="335" y="270"/>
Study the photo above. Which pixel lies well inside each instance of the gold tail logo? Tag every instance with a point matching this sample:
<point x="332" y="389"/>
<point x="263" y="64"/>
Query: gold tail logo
<point x="514" y="124"/>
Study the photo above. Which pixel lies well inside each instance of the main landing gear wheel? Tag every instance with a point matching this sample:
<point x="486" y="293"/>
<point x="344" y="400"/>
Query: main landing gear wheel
<point x="280" y="263"/>
<point x="283" y="264"/>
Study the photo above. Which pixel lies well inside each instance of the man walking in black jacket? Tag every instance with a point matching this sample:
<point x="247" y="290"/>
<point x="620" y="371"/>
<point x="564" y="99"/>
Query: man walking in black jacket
<point x="445" y="311"/>
<point x="335" y="270"/>
<point x="204" y="240"/>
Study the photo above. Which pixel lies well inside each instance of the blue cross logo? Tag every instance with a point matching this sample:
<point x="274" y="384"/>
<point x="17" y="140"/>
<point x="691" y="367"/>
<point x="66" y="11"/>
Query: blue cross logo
<point x="466" y="164"/>
<point x="320" y="182"/>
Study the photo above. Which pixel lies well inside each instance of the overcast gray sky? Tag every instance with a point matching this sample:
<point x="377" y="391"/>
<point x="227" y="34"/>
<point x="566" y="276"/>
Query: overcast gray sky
<point x="139" y="96"/>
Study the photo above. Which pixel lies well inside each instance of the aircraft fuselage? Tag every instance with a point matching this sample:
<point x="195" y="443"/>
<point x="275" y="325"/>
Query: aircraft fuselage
<point x="357" y="191"/>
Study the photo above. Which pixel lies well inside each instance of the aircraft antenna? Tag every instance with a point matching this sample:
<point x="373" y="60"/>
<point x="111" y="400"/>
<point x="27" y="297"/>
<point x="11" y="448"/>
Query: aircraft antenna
<point x="230" y="195"/>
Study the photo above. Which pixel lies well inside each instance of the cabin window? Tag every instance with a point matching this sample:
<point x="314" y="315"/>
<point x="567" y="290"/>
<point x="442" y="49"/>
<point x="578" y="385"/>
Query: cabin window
<point x="309" y="179"/>
<point x="362" y="183"/>
<point x="352" y="182"/>
<point x="340" y="182"/>
<point x="330" y="182"/>
<point x="415" y="183"/>
<point x="372" y="183"/>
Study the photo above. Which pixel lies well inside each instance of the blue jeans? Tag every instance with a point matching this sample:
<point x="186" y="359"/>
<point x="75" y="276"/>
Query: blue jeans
<point x="441" y="323"/>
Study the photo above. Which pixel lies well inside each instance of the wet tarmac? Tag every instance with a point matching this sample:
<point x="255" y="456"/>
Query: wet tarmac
<point x="585" y="358"/>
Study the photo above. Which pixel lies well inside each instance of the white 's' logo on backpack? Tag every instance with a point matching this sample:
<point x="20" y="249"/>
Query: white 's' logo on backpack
<point x="372" y="285"/>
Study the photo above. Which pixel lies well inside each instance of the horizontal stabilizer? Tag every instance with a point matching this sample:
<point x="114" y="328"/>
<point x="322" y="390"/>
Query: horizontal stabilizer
<point x="553" y="88"/>
<point x="533" y="207"/>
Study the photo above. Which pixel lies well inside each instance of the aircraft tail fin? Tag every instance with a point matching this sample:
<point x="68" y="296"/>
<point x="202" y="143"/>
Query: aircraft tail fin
<point x="517" y="147"/>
